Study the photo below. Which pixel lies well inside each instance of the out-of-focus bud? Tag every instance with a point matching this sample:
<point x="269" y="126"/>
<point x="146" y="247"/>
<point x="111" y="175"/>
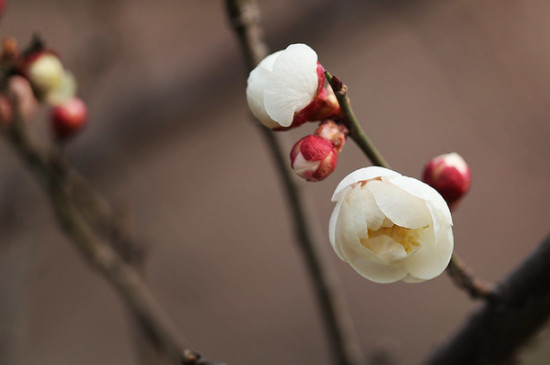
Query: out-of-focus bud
<point x="10" y="49"/>
<point x="334" y="133"/>
<point x="313" y="158"/>
<point x="69" y="118"/>
<point x="49" y="78"/>
<point x="21" y="89"/>
<point x="45" y="70"/>
<point x="2" y="7"/>
<point x="18" y="90"/>
<point x="449" y="175"/>
<point x="6" y="110"/>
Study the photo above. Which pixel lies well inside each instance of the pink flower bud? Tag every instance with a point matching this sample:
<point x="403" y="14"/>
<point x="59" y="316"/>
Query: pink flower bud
<point x="327" y="106"/>
<point x="313" y="158"/>
<point x="6" y="109"/>
<point x="449" y="175"/>
<point x="69" y="118"/>
<point x="334" y="133"/>
<point x="2" y="7"/>
<point x="18" y="88"/>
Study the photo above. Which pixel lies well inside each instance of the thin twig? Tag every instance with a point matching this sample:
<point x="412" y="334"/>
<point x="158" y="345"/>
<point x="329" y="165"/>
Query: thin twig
<point x="245" y="18"/>
<point x="355" y="130"/>
<point x="463" y="277"/>
<point x="54" y="177"/>
<point x="460" y="274"/>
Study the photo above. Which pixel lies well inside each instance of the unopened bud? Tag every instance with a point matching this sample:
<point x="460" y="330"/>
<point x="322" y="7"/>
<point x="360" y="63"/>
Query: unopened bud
<point x="49" y="78"/>
<point x="313" y="158"/>
<point x="69" y="118"/>
<point x="45" y="71"/>
<point x="449" y="175"/>
<point x="6" y="110"/>
<point x="2" y="7"/>
<point x="18" y="91"/>
<point x="334" y="133"/>
<point x="327" y="106"/>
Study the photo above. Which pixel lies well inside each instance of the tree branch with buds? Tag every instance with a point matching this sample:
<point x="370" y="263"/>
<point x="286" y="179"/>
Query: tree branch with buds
<point x="82" y="214"/>
<point x="244" y="15"/>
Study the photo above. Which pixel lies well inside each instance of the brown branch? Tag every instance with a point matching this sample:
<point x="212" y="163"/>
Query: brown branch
<point x="56" y="179"/>
<point x="245" y="18"/>
<point x="104" y="219"/>
<point x="494" y="334"/>
<point x="463" y="277"/>
<point x="355" y="131"/>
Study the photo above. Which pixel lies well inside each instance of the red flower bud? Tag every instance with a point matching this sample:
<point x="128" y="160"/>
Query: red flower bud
<point x="449" y="175"/>
<point x="2" y="7"/>
<point x="313" y="158"/>
<point x="334" y="133"/>
<point x="69" y="118"/>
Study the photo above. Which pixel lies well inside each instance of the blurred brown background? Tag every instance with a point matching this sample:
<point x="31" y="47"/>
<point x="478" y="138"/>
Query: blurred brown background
<point x="169" y="139"/>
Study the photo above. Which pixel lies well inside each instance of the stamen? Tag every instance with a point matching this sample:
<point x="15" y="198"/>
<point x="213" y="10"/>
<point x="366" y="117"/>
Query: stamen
<point x="406" y="237"/>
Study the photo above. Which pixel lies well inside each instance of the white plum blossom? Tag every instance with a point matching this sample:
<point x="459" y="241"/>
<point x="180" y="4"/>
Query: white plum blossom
<point x="390" y="227"/>
<point x="283" y="85"/>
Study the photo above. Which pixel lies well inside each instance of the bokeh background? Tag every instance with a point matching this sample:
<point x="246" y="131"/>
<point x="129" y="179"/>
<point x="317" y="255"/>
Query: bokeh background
<point x="170" y="140"/>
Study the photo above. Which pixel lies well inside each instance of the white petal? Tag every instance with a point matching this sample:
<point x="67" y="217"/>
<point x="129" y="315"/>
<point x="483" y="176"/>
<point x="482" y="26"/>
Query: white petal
<point x="371" y="214"/>
<point x="350" y="226"/>
<point x="332" y="229"/>
<point x="431" y="260"/>
<point x="257" y="82"/>
<point x="402" y="208"/>
<point x="64" y="91"/>
<point x="292" y="83"/>
<point x="412" y="280"/>
<point x="301" y="166"/>
<point x="366" y="173"/>
<point x="358" y="207"/>
<point x="423" y="191"/>
<point x="386" y="248"/>
<point x="377" y="272"/>
<point x="267" y="63"/>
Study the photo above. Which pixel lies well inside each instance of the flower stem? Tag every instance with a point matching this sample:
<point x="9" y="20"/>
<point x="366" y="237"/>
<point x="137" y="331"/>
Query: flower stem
<point x="355" y="130"/>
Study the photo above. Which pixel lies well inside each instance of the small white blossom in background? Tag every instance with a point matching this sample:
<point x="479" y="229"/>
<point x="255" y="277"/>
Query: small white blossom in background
<point x="313" y="158"/>
<point x="282" y="88"/>
<point x="390" y="227"/>
<point x="450" y="175"/>
<point x="47" y="75"/>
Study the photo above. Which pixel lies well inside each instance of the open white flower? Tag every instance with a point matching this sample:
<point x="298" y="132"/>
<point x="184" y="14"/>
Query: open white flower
<point x="283" y="84"/>
<point x="390" y="227"/>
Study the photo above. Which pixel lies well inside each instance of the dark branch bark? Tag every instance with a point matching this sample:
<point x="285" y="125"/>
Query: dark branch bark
<point x="57" y="180"/>
<point x="494" y="334"/>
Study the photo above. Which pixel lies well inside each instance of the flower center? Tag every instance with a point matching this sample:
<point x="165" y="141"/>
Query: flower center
<point x="406" y="237"/>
